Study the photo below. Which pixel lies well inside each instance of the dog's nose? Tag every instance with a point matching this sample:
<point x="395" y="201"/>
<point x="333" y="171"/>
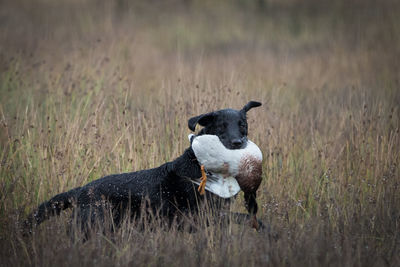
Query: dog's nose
<point x="237" y="142"/>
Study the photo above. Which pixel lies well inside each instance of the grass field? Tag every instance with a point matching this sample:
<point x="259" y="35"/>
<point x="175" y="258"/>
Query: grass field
<point x="89" y="88"/>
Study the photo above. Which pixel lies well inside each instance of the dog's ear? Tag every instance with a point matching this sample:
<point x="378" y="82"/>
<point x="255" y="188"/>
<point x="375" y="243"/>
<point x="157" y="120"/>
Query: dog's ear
<point x="250" y="105"/>
<point x="203" y="120"/>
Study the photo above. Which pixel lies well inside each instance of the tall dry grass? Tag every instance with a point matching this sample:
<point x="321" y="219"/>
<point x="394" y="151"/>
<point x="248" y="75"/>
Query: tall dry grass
<point x="90" y="88"/>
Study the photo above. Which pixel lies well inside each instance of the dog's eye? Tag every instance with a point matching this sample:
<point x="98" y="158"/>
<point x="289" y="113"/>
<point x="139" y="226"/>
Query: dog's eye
<point x="220" y="127"/>
<point x="242" y="127"/>
<point x="223" y="125"/>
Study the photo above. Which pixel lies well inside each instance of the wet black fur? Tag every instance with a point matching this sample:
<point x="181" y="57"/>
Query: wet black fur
<point x="166" y="189"/>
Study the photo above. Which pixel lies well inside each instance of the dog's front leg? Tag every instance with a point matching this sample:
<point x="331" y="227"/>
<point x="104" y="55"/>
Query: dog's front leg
<point x="242" y="218"/>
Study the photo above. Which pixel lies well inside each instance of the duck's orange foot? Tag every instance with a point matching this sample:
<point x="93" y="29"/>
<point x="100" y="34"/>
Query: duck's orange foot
<point x="202" y="185"/>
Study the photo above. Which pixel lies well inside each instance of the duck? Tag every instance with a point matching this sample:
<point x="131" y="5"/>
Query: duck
<point x="226" y="171"/>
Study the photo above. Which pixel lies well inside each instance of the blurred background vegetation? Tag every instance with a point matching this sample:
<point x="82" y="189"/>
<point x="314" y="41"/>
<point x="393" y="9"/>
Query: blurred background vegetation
<point x="93" y="87"/>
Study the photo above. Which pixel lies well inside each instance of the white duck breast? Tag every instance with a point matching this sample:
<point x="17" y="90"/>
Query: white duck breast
<point x="221" y="185"/>
<point x="224" y="165"/>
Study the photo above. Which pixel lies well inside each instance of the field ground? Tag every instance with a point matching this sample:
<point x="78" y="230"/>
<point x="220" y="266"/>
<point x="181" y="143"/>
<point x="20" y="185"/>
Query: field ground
<point x="89" y="88"/>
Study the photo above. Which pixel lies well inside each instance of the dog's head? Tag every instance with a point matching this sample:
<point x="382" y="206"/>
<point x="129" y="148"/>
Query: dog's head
<point x="228" y="124"/>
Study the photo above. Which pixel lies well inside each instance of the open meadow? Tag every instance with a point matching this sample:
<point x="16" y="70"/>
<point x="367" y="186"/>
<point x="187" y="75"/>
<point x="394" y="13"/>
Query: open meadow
<point x="92" y="87"/>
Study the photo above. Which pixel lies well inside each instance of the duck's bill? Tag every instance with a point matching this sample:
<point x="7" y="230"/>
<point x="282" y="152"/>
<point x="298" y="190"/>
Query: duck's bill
<point x="225" y="187"/>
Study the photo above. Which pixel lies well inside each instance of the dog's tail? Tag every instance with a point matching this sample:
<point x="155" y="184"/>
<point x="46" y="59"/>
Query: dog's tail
<point x="52" y="207"/>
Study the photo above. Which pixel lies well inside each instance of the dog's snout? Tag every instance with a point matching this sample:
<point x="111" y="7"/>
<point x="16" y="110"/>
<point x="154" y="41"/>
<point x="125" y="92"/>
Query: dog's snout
<point x="237" y="143"/>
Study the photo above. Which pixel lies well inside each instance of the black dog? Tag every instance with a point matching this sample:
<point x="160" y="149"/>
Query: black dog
<point x="166" y="189"/>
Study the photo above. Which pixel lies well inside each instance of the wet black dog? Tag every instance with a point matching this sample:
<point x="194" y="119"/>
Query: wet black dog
<point x="166" y="189"/>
